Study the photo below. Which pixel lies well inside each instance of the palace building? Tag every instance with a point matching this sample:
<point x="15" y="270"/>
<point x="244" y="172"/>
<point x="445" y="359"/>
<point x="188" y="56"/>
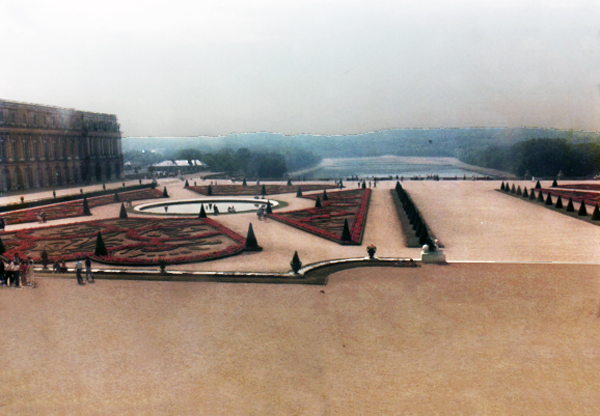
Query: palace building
<point x="44" y="146"/>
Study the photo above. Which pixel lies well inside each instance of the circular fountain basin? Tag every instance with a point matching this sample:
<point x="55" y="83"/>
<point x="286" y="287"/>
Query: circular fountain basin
<point x="192" y="206"/>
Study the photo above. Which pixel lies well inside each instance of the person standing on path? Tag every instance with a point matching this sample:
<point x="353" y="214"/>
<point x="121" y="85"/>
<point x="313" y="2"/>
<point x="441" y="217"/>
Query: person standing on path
<point x="30" y="274"/>
<point x="78" y="267"/>
<point x="88" y="270"/>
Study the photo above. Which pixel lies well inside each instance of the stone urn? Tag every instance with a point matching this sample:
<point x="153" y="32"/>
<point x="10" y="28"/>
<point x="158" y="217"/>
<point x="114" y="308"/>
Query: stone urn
<point x="371" y="249"/>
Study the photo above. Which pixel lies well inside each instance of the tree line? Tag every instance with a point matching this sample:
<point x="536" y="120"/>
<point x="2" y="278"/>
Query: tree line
<point x="539" y="157"/>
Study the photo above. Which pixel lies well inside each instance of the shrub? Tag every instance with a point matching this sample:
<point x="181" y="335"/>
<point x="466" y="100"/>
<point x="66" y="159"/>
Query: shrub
<point x="346" y="236"/>
<point x="299" y="193"/>
<point x="554" y="184"/>
<point x="513" y="190"/>
<point x="2" y="248"/>
<point x="549" y="200"/>
<point x="325" y="198"/>
<point x="289" y="182"/>
<point x="596" y="214"/>
<point x="251" y="242"/>
<point x="525" y="193"/>
<point x="540" y="197"/>
<point x="296" y="264"/>
<point x="364" y="185"/>
<point x="559" y="203"/>
<point x="519" y="192"/>
<point x="538" y="185"/>
<point x="582" y="210"/>
<point x="117" y="197"/>
<point x="202" y="213"/>
<point x="123" y="212"/>
<point x="244" y="183"/>
<point x="269" y="207"/>
<point x="532" y="194"/>
<point x="86" y="207"/>
<point x="501" y="186"/>
<point x="263" y="191"/>
<point x="187" y="185"/>
<point x="100" y="249"/>
<point x="45" y="259"/>
<point x="570" y="207"/>
<point x="165" y="193"/>
<point x="318" y="203"/>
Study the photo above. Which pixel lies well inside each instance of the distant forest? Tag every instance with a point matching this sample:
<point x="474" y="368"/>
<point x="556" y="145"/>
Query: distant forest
<point x="542" y="152"/>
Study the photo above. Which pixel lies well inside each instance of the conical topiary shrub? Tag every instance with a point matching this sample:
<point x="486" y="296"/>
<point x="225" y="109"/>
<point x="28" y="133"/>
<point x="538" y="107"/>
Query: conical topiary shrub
<point x="165" y="193"/>
<point x="549" y="200"/>
<point x="538" y="185"/>
<point x="45" y="259"/>
<point x="364" y="185"/>
<point x="570" y="207"/>
<point x="100" y="249"/>
<point x="532" y="194"/>
<point x="540" y="197"/>
<point x="289" y="182"/>
<point x="559" y="203"/>
<point x="299" y="193"/>
<point x="525" y="193"/>
<point x="2" y="248"/>
<point x="209" y="190"/>
<point x="325" y="198"/>
<point x="318" y="203"/>
<point x="582" y="211"/>
<point x="86" y="207"/>
<point x="123" y="212"/>
<point x="244" y="183"/>
<point x="399" y="187"/>
<point x="296" y="264"/>
<point x="502" y="186"/>
<point x="554" y="183"/>
<point x="117" y="197"/>
<point x="269" y="207"/>
<point x="596" y="214"/>
<point x="341" y="184"/>
<point x="202" y="213"/>
<point x="513" y="190"/>
<point x="251" y="243"/>
<point x="187" y="185"/>
<point x="346" y="236"/>
<point x="263" y="191"/>
<point x="519" y="192"/>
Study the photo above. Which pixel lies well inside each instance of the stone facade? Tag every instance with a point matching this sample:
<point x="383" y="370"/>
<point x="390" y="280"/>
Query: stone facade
<point x="44" y="146"/>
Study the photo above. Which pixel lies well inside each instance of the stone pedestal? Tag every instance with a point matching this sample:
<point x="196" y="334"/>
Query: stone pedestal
<point x="433" y="257"/>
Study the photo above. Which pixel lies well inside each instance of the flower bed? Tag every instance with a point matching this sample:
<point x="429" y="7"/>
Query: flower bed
<point x="251" y="190"/>
<point x="129" y="241"/>
<point x="75" y="208"/>
<point x="590" y="198"/>
<point x="580" y="186"/>
<point x="328" y="221"/>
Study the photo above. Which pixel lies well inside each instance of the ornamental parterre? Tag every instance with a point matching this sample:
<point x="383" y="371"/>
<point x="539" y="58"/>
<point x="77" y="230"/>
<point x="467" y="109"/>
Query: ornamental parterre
<point x="328" y="221"/>
<point x="590" y="198"/>
<point x="252" y="190"/>
<point x="129" y="241"/>
<point x="75" y="208"/>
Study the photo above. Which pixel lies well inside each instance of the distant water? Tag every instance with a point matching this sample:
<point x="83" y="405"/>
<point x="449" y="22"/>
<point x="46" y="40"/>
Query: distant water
<point x="382" y="166"/>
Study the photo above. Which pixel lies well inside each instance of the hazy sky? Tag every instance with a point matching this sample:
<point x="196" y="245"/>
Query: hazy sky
<point x="187" y="68"/>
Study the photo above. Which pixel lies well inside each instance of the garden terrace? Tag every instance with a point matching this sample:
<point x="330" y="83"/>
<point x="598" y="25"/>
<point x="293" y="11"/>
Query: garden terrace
<point x="129" y="242"/>
<point x="251" y="190"/>
<point x="328" y="221"/>
<point x="75" y="208"/>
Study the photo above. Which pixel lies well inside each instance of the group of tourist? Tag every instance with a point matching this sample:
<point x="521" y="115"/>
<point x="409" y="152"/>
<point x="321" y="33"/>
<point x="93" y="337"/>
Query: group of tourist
<point x="61" y="267"/>
<point x="261" y="213"/>
<point x="17" y="273"/>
